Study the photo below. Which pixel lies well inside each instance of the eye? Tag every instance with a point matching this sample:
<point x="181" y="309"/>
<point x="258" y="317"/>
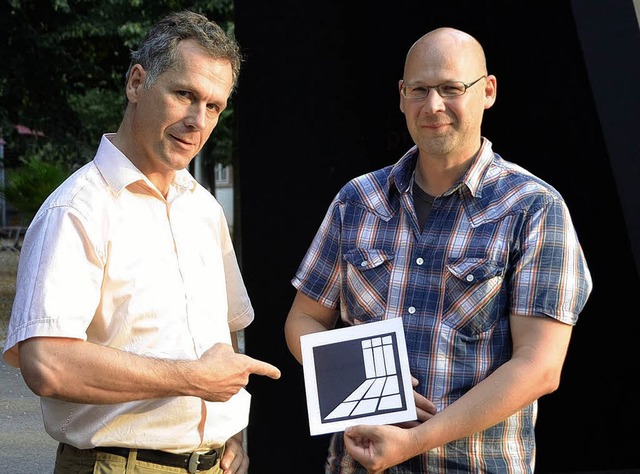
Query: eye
<point x="186" y="94"/>
<point x="417" y="91"/>
<point x="452" y="88"/>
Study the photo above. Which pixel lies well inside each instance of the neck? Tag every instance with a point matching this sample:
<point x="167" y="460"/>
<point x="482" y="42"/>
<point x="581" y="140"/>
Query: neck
<point x="436" y="175"/>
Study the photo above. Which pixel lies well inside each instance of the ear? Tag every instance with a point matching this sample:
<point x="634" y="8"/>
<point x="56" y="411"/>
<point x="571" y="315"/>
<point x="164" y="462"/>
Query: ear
<point x="135" y="82"/>
<point x="400" y="94"/>
<point x="490" y="91"/>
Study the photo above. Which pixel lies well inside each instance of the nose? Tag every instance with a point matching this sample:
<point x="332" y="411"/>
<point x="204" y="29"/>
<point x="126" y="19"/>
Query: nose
<point x="433" y="102"/>
<point x="197" y="116"/>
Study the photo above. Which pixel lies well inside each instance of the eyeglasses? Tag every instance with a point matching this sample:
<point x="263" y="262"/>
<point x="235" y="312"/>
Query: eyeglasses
<point x="446" y="89"/>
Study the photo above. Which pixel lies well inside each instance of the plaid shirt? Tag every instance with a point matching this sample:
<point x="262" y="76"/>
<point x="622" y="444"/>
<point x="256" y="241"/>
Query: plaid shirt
<point x="499" y="242"/>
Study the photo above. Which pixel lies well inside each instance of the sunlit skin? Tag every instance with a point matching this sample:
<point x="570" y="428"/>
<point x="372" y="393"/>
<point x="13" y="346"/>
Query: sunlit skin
<point x="165" y="127"/>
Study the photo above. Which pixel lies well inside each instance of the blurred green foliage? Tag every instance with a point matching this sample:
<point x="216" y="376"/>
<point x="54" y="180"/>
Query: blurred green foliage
<point x="30" y="184"/>
<point x="63" y="69"/>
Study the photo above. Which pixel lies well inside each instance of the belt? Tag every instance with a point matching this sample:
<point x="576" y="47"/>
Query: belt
<point x="192" y="462"/>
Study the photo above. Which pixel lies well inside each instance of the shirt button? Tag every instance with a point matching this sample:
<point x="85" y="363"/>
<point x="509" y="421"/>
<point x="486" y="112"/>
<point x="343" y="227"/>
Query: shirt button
<point x="469" y="277"/>
<point x="364" y="263"/>
<point x="419" y="261"/>
<point x="411" y="310"/>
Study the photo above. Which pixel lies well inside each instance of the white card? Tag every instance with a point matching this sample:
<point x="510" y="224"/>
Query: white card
<point x="357" y="375"/>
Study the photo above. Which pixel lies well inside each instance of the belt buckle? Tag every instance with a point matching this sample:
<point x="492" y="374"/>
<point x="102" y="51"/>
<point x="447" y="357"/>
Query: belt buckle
<point x="194" y="461"/>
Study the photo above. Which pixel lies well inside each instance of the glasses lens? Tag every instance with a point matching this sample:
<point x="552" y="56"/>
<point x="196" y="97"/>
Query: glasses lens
<point x="415" y="92"/>
<point x="451" y="89"/>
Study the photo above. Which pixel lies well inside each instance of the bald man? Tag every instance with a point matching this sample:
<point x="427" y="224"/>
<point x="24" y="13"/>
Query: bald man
<point x="478" y="257"/>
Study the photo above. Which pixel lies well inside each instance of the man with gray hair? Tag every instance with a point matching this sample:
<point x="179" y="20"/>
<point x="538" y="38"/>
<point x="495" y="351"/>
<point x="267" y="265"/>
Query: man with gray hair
<point x="129" y="294"/>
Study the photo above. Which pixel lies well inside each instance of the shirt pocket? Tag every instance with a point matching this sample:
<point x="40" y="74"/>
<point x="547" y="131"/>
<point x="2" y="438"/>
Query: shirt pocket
<point x="367" y="283"/>
<point x="472" y="295"/>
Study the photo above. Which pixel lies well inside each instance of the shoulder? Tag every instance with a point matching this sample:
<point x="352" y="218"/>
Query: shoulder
<point x="371" y="192"/>
<point x="78" y="191"/>
<point x="508" y="180"/>
<point x="370" y="186"/>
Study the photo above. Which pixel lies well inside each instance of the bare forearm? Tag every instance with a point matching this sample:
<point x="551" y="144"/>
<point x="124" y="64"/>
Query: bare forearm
<point x="513" y="386"/>
<point x="78" y="371"/>
<point x="82" y="372"/>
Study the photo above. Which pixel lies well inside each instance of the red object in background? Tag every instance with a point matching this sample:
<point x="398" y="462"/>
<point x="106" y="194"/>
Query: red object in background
<point x="22" y="130"/>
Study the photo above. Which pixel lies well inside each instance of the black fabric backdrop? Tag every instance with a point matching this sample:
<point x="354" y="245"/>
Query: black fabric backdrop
<point x="317" y="104"/>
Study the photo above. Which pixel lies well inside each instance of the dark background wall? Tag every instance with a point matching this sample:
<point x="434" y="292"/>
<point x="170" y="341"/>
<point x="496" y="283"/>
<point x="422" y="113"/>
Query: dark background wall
<point x="317" y="104"/>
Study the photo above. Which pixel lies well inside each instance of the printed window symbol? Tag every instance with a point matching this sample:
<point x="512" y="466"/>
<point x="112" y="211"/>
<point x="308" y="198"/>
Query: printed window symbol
<point x="380" y="389"/>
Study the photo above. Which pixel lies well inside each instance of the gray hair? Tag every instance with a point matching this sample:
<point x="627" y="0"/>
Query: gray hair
<point x="157" y="51"/>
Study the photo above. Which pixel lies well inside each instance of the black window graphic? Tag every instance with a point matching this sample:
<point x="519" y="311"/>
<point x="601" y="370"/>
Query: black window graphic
<point x="359" y="378"/>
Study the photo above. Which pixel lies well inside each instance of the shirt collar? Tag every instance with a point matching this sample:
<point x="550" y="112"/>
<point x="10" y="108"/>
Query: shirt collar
<point x="475" y="174"/>
<point x="119" y="172"/>
<point x="402" y="172"/>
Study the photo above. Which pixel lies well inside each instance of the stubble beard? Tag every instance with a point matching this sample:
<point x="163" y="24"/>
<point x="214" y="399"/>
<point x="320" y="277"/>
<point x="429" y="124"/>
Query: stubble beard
<point x="440" y="145"/>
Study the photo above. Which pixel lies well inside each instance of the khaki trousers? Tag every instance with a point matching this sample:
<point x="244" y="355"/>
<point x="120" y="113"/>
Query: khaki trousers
<point x="71" y="460"/>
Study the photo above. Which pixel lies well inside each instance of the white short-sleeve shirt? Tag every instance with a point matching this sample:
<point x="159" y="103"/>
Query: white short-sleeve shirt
<point x="107" y="259"/>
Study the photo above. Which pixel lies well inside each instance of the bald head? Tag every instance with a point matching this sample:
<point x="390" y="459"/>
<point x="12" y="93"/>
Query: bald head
<point x="448" y="49"/>
<point x="446" y="122"/>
